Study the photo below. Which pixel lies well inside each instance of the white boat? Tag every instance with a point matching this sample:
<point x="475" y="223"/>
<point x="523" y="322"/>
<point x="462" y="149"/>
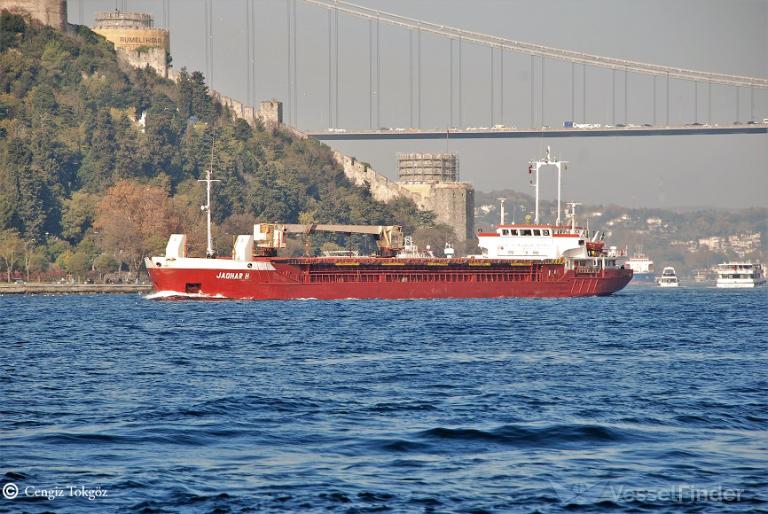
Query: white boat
<point x="668" y="278"/>
<point x="739" y="274"/>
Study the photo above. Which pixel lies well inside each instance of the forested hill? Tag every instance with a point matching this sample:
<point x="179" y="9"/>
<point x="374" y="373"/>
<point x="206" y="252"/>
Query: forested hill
<point x="82" y="177"/>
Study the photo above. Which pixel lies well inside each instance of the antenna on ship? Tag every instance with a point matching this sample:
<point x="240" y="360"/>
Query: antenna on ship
<point x="572" y="214"/>
<point x="502" y="200"/>
<point x="535" y="166"/>
<point x="209" y="252"/>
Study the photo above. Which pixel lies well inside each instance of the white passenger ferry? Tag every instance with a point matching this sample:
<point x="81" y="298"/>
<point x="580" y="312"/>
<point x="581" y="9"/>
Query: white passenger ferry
<point x="668" y="278"/>
<point x="739" y="274"/>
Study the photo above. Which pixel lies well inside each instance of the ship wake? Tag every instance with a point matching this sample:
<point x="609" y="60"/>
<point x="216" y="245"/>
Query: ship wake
<point x="176" y="295"/>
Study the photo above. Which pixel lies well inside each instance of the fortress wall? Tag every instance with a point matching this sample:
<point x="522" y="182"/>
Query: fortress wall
<point x="48" y="12"/>
<point x="382" y="189"/>
<point x="153" y="57"/>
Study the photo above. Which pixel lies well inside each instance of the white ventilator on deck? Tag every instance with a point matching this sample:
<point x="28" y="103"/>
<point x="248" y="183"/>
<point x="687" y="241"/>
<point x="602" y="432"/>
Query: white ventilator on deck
<point x="243" y="250"/>
<point x="176" y="247"/>
<point x="535" y="166"/>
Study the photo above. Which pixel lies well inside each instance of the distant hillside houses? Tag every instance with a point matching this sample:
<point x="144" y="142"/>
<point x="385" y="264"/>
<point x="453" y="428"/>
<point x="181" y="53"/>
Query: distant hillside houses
<point x="740" y="244"/>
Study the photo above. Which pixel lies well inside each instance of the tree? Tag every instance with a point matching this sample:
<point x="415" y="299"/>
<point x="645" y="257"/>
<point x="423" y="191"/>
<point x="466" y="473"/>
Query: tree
<point x="12" y="27"/>
<point x="132" y="218"/>
<point x="105" y="263"/>
<point x="38" y="263"/>
<point x="11" y="246"/>
<point x="164" y="128"/>
<point x="99" y="159"/>
<point x="78" y="264"/>
<point x="200" y="101"/>
<point x="78" y="214"/>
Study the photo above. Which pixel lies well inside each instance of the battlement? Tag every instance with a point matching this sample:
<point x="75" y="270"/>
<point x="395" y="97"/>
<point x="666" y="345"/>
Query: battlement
<point x="123" y="20"/>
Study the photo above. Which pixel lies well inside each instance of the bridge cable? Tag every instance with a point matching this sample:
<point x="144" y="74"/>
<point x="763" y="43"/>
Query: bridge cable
<point x="667" y="99"/>
<point x="529" y="48"/>
<point x="330" y="69"/>
<point x="289" y="62"/>
<point x="378" y="74"/>
<point x="501" y="82"/>
<point x="626" y="97"/>
<point x="370" y="74"/>
<point x="533" y="105"/>
<point x="654" y="99"/>
<point x="248" y="31"/>
<point x="461" y="80"/>
<point x="542" y="91"/>
<point x="493" y="79"/>
<point x="573" y="90"/>
<point x="584" y="93"/>
<point x="450" y="83"/>
<point x="410" y="77"/>
<point x="695" y="102"/>
<point x="336" y="23"/>
<point x="418" y="97"/>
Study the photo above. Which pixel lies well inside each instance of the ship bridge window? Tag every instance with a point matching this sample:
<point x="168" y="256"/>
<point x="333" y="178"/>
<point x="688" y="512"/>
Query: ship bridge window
<point x="545" y="232"/>
<point x="513" y="232"/>
<point x="505" y="232"/>
<point x="526" y="232"/>
<point x="536" y="232"/>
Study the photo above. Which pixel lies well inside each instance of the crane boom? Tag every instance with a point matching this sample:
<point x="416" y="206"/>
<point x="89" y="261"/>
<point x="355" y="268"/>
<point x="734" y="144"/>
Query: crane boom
<point x="271" y="236"/>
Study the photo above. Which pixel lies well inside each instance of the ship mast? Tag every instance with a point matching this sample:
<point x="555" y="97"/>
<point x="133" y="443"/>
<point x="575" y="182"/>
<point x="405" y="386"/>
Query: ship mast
<point x="535" y="166"/>
<point x="209" y="252"/>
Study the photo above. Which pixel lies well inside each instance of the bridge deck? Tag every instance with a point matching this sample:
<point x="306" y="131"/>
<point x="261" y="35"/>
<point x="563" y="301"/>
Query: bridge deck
<point x="532" y="133"/>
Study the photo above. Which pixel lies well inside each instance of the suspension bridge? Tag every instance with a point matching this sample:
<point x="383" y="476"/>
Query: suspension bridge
<point x="582" y="78"/>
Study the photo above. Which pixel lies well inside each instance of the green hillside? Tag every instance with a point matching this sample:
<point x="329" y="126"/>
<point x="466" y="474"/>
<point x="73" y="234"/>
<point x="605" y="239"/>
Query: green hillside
<point x="84" y="184"/>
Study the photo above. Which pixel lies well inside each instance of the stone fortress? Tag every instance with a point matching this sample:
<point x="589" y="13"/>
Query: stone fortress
<point x="435" y="177"/>
<point x="136" y="40"/>
<point x="431" y="181"/>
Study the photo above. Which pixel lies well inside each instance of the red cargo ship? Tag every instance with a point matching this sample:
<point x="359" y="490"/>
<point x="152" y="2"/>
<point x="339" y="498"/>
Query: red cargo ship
<point x="517" y="260"/>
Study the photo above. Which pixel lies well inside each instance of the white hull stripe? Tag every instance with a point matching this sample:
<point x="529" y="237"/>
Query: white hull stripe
<point x="199" y="263"/>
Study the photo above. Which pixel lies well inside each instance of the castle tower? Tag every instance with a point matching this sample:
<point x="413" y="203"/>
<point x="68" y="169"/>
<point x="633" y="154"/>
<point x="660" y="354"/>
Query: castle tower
<point x="435" y="177"/>
<point x="136" y="40"/>
<point x="48" y="12"/>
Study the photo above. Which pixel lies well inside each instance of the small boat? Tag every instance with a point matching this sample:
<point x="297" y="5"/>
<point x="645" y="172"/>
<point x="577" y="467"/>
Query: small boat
<point x="739" y="274"/>
<point x="668" y="278"/>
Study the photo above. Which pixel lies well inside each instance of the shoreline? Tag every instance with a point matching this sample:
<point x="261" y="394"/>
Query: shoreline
<point x="48" y="288"/>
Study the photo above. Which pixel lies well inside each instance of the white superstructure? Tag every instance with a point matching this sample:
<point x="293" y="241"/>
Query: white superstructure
<point x="640" y="263"/>
<point x="739" y="274"/>
<point x="526" y="241"/>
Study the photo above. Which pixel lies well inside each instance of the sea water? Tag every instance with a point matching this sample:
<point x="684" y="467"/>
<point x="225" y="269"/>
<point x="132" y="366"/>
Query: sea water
<point x="646" y="400"/>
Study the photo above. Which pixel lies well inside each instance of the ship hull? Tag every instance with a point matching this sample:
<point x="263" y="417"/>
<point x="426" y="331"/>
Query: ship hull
<point x="346" y="280"/>
<point x="644" y="278"/>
